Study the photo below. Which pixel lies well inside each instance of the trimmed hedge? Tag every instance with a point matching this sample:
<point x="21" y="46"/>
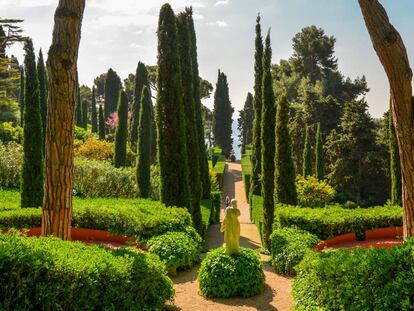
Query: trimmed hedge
<point x="358" y="279"/>
<point x="289" y="245"/>
<point x="216" y="205"/>
<point x="206" y="214"/>
<point x="51" y="274"/>
<point x="246" y="166"/>
<point x="237" y="275"/>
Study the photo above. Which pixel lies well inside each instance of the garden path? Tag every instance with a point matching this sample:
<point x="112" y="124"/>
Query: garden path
<point x="277" y="294"/>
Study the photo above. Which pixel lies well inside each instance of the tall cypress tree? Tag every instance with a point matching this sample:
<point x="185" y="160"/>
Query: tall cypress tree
<point x="78" y="109"/>
<point x="222" y="115"/>
<point x="85" y="114"/>
<point x="121" y="133"/>
<point x="42" y="76"/>
<point x="143" y="169"/>
<point x="307" y="155"/>
<point x="141" y="80"/>
<point x="395" y="168"/>
<point x="153" y="137"/>
<point x="32" y="170"/>
<point x="319" y="158"/>
<point x="257" y="105"/>
<point x="285" y="187"/>
<point x="172" y="152"/>
<point x="21" y="96"/>
<point x="268" y="143"/>
<point x="204" y="169"/>
<point x="112" y="88"/>
<point x="191" y="127"/>
<point x="94" y="114"/>
<point x="101" y="124"/>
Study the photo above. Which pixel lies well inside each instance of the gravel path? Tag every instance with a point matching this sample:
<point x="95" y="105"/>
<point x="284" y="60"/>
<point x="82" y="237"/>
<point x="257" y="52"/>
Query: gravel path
<point x="277" y="294"/>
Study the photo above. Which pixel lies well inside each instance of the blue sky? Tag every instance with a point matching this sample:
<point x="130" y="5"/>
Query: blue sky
<point x="119" y="33"/>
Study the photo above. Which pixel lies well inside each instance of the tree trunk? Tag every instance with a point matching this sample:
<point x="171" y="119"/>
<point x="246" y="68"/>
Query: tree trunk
<point x="393" y="56"/>
<point x="61" y="66"/>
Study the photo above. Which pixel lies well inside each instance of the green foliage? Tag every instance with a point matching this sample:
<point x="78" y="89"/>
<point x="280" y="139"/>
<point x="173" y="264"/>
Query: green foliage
<point x="222" y="116"/>
<point x="78" y="108"/>
<point x="216" y="201"/>
<point x="11" y="160"/>
<point x="246" y="165"/>
<point x="313" y="193"/>
<point x="218" y="170"/>
<point x="285" y="187"/>
<point x="358" y="279"/>
<point x="289" y="245"/>
<point x="42" y="76"/>
<point x="176" y="249"/>
<point x="245" y="123"/>
<point x="80" y="133"/>
<point x="121" y="134"/>
<point x="237" y="275"/>
<point x="85" y="109"/>
<point x="48" y="273"/>
<point x="10" y="133"/>
<point x="32" y="171"/>
<point x="101" y="124"/>
<point x="319" y="157"/>
<point x="143" y="166"/>
<point x="112" y="88"/>
<point x="21" y="96"/>
<point x="307" y="155"/>
<point x="94" y="116"/>
<point x="395" y="167"/>
<point x="257" y="106"/>
<point x="172" y="151"/>
<point x="268" y="144"/>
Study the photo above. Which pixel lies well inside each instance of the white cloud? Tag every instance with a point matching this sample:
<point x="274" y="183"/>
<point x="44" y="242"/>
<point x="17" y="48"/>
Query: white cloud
<point x="221" y="24"/>
<point x="222" y="2"/>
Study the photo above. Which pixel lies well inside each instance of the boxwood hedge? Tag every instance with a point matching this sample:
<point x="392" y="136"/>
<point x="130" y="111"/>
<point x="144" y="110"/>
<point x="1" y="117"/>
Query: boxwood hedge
<point x="51" y="274"/>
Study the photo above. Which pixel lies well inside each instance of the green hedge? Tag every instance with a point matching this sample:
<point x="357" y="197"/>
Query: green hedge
<point x="206" y="214"/>
<point x="289" y="245"/>
<point x="359" y="279"/>
<point x="50" y="274"/>
<point x="246" y="166"/>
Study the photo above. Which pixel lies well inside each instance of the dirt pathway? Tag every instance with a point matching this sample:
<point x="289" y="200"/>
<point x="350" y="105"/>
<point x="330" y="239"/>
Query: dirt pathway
<point x="277" y="292"/>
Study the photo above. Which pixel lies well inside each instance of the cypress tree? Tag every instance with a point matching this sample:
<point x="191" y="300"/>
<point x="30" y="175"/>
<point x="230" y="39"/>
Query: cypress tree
<point x="85" y="114"/>
<point x="94" y="114"/>
<point x="153" y="137"/>
<point x="204" y="169"/>
<point x="307" y="155"/>
<point x="21" y="96"/>
<point x="121" y="133"/>
<point x="319" y="158"/>
<point x="285" y="187"/>
<point x="191" y="127"/>
<point x="172" y="153"/>
<point x="257" y="105"/>
<point x="112" y="88"/>
<point x="143" y="170"/>
<point x="32" y="170"/>
<point x="268" y="143"/>
<point x="395" y="169"/>
<point x="222" y="115"/>
<point x="141" y="80"/>
<point x="42" y="76"/>
<point x="101" y="124"/>
<point x="78" y="109"/>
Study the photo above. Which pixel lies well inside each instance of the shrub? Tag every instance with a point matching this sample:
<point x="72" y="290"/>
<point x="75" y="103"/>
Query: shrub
<point x="216" y="201"/>
<point x="51" y="274"/>
<point x="206" y="207"/>
<point x="350" y="205"/>
<point x="10" y="133"/>
<point x="313" y="192"/>
<point x="155" y="182"/>
<point x="246" y="166"/>
<point x="80" y="133"/>
<point x="11" y="161"/>
<point x="289" y="245"/>
<point x="237" y="275"/>
<point x="358" y="279"/>
<point x="177" y="249"/>
<point x="94" y="149"/>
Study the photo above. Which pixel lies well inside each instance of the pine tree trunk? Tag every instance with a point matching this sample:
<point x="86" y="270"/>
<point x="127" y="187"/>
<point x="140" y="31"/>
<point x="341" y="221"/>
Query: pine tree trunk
<point x="61" y="66"/>
<point x="393" y="56"/>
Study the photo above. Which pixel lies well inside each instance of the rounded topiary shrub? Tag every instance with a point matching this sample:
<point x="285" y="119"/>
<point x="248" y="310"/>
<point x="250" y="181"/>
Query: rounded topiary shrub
<point x="177" y="249"/>
<point x="237" y="275"/>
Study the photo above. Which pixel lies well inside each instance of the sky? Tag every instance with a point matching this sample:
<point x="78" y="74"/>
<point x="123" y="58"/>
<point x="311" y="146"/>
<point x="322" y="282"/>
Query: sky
<point x="119" y="33"/>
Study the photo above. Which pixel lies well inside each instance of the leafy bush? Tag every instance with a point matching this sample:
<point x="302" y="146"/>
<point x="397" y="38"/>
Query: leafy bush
<point x="50" y="274"/>
<point x="177" y="249"/>
<point x="237" y="275"/>
<point x="155" y="182"/>
<point x="9" y="133"/>
<point x="94" y="149"/>
<point x="358" y="279"/>
<point x="313" y="192"/>
<point x="80" y="133"/>
<point x="289" y="245"/>
<point x="206" y="214"/>
<point x="350" y="205"/>
<point x="216" y="201"/>
<point x="11" y="160"/>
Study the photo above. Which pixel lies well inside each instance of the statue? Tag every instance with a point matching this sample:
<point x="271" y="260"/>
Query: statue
<point x="231" y="228"/>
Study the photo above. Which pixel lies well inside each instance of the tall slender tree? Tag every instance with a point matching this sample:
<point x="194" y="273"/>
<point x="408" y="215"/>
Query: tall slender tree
<point x="42" y="76"/>
<point x="307" y="155"/>
<point x="112" y="87"/>
<point x="268" y="143"/>
<point x="85" y="109"/>
<point x="32" y="171"/>
<point x="21" y="96"/>
<point x="121" y="134"/>
<point x="245" y="123"/>
<point x="191" y="127"/>
<point x="204" y="169"/>
<point x="61" y="66"/>
<point x="395" y="168"/>
<point x="94" y="116"/>
<point x="101" y="124"/>
<point x="172" y="151"/>
<point x="257" y="105"/>
<point x="285" y="187"/>
<point x="319" y="156"/>
<point x="143" y="170"/>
